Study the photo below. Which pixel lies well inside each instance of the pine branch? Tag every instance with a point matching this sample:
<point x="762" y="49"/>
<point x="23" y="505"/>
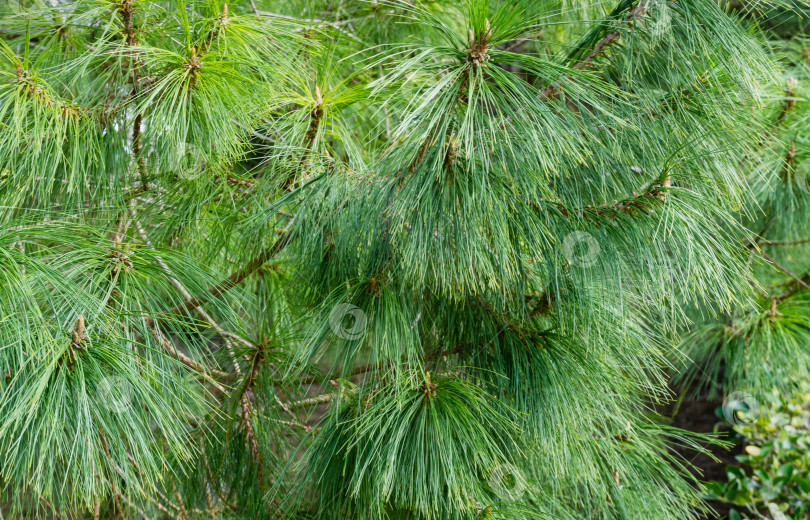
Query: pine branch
<point x="210" y="476"/>
<point x="792" y="287"/>
<point x="244" y="399"/>
<point x="789" y="102"/>
<point x="787" y="242"/>
<point x="483" y="199"/>
<point x="183" y="514"/>
<point x="315" y="118"/>
<point x="628" y="206"/>
<point x="238" y="276"/>
<point x="551" y="91"/>
<point x="787" y="106"/>
<point x="126" y="9"/>
<point x="55" y="513"/>
<point x="116" y="495"/>
<point x="36" y="90"/>
<point x="130" y="504"/>
<point x="289" y="412"/>
<point x="224" y="334"/>
<point x="339" y="25"/>
<point x="310" y="401"/>
<point x="162" y="508"/>
<point x="171" y="350"/>
<point x="784" y="270"/>
<point x="247" y="420"/>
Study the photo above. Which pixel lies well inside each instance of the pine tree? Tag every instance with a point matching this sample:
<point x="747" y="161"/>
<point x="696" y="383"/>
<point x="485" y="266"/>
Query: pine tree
<point x="386" y="259"/>
<point x="762" y="345"/>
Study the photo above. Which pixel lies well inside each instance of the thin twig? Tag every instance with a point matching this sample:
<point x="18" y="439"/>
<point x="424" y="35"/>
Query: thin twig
<point x="310" y="401"/>
<point x="183" y="513"/>
<point x="238" y="276"/>
<point x="116" y="494"/>
<point x="133" y="506"/>
<point x="551" y="91"/>
<point x="294" y="424"/>
<point x="222" y="332"/>
<point x="170" y="349"/>
<point x="50" y="506"/>
<point x="784" y="270"/>
<point x="787" y="242"/>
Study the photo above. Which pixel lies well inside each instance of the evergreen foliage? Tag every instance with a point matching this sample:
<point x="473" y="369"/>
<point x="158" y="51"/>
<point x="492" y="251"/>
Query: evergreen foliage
<point x="387" y="259"/>
<point x="762" y="345"/>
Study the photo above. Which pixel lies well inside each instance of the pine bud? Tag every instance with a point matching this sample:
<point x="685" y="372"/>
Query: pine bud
<point x="792" y="84"/>
<point x="78" y="336"/>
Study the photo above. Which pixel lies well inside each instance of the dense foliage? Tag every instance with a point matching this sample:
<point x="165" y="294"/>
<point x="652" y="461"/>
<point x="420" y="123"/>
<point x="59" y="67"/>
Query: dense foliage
<point x="763" y="344"/>
<point x="773" y="474"/>
<point x="386" y="259"/>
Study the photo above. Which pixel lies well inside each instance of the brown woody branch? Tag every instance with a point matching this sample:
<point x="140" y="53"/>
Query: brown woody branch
<point x="629" y="206"/>
<point x="126" y="9"/>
